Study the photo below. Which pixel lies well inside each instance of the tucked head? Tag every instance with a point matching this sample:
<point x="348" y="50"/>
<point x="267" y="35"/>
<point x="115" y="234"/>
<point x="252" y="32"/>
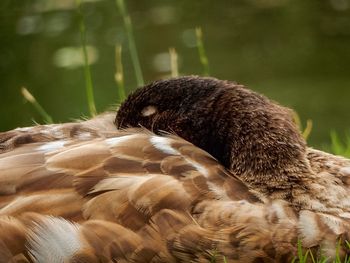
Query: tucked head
<point x="245" y="131"/>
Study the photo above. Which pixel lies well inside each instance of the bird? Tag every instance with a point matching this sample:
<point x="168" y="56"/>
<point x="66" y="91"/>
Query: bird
<point x="253" y="137"/>
<point x="190" y="169"/>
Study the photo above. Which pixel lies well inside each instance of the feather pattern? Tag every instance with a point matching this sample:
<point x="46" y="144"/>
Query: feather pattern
<point x="87" y="192"/>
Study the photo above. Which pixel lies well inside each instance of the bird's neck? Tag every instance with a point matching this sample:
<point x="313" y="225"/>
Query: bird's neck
<point x="281" y="183"/>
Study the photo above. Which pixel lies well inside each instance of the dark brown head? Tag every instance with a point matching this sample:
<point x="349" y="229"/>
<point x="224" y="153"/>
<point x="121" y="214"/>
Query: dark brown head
<point x="249" y="134"/>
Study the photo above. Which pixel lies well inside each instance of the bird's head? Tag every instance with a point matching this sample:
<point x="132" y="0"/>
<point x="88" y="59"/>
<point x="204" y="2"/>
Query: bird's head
<point x="179" y="105"/>
<point x="252" y="136"/>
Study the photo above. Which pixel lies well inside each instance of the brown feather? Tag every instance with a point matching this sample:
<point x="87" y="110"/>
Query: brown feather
<point x="87" y="192"/>
<point x="187" y="208"/>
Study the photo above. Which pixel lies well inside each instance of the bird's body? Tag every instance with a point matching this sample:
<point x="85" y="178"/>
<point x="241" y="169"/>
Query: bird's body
<point x="88" y="192"/>
<point x="252" y="136"/>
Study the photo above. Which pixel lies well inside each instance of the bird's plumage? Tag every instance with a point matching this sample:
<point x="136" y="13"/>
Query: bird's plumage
<point x="252" y="136"/>
<point x="88" y="192"/>
<point x="249" y="134"/>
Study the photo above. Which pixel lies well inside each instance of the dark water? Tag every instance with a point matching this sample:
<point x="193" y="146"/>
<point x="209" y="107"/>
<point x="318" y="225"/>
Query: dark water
<point x="294" y="51"/>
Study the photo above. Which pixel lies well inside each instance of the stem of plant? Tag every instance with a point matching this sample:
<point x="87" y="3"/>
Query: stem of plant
<point x="201" y="51"/>
<point x="308" y="129"/>
<point x="29" y="97"/>
<point x="119" y="74"/>
<point x="131" y="41"/>
<point x="173" y="62"/>
<point x="87" y="72"/>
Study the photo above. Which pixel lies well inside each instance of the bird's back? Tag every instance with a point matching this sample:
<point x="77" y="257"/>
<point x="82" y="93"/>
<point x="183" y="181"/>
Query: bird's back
<point x="85" y="192"/>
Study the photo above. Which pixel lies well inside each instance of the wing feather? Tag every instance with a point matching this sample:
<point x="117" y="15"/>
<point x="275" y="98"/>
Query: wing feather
<point x="89" y="193"/>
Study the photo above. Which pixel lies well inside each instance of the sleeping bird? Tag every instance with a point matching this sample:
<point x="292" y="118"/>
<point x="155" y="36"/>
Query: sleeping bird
<point x="190" y="169"/>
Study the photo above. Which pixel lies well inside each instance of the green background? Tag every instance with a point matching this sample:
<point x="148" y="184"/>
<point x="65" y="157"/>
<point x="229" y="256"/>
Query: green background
<point x="294" y="51"/>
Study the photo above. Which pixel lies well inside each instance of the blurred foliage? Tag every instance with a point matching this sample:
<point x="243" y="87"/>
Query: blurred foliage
<point x="340" y="146"/>
<point x="306" y="255"/>
<point x="296" y="52"/>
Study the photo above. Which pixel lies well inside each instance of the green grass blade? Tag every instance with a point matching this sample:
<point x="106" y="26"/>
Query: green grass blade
<point x="336" y="144"/>
<point x="347" y="244"/>
<point x="173" y="62"/>
<point x="201" y="51"/>
<point x="87" y="72"/>
<point x="297" y="120"/>
<point x="29" y="97"/>
<point x="131" y="41"/>
<point x="347" y="146"/>
<point x="337" y="250"/>
<point x="312" y="258"/>
<point x="119" y="74"/>
<point x="305" y="132"/>
<point x="302" y="258"/>
<point x="308" y="129"/>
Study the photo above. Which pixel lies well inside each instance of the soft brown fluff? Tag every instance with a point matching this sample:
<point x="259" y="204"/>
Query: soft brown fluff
<point x="86" y="192"/>
<point x="255" y="138"/>
<point x="252" y="136"/>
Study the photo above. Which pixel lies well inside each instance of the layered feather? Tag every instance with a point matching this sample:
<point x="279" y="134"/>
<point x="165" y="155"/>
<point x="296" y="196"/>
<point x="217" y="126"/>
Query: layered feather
<point x="86" y="192"/>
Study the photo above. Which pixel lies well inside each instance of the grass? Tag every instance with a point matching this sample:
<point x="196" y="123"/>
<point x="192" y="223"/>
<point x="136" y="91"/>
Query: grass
<point x="119" y="74"/>
<point x="131" y="41"/>
<point x="307" y="256"/>
<point x="87" y="72"/>
<point x="338" y="146"/>
<point x="31" y="99"/>
<point x="173" y="62"/>
<point x="303" y="256"/>
<point x="304" y="131"/>
<point x="201" y="51"/>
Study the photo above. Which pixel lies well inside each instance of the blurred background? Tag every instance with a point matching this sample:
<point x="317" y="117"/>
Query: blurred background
<point x="296" y="52"/>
